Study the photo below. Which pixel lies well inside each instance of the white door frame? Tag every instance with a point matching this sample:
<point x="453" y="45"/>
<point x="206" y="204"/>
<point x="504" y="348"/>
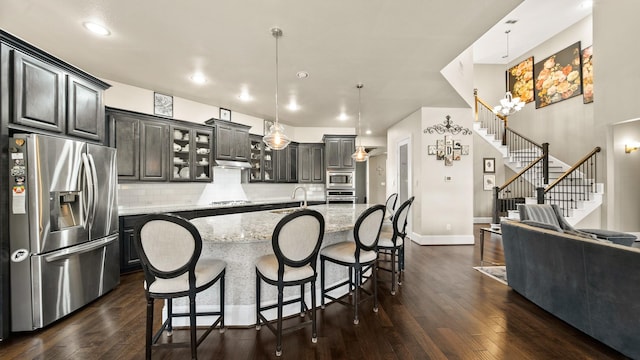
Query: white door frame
<point x="407" y="142"/>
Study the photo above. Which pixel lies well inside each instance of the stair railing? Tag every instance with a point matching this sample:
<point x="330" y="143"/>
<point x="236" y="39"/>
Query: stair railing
<point x="521" y="186"/>
<point x="519" y="148"/>
<point x="494" y="123"/>
<point x="574" y="186"/>
<point x="523" y="150"/>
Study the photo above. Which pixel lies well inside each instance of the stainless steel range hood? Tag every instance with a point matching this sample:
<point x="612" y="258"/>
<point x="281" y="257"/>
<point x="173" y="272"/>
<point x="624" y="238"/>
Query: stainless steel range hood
<point x="229" y="164"/>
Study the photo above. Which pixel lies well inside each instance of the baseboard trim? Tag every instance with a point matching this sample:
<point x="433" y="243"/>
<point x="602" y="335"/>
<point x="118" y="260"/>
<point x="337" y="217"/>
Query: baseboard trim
<point x="442" y="239"/>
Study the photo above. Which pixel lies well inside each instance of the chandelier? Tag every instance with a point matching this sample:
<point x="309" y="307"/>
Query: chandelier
<point x="508" y="105"/>
<point x="360" y="154"/>
<point x="275" y="138"/>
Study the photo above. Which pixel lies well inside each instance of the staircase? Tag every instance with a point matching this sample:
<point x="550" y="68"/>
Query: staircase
<point x="572" y="188"/>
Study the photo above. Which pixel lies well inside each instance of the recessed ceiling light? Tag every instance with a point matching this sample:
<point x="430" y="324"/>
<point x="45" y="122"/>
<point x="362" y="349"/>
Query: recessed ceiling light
<point x="343" y="117"/>
<point x="245" y="96"/>
<point x="198" y="78"/>
<point x="587" y="4"/>
<point x="293" y="105"/>
<point x="96" y="28"/>
<point x="368" y="132"/>
<point x="302" y="74"/>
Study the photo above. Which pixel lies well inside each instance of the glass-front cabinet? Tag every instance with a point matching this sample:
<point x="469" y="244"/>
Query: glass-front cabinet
<point x="191" y="154"/>
<point x="255" y="158"/>
<point x="261" y="160"/>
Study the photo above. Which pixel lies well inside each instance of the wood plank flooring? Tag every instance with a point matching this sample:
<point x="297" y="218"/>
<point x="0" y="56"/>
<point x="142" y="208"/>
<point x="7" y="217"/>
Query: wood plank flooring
<point x="444" y="310"/>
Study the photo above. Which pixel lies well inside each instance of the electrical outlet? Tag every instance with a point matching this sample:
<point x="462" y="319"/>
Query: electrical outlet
<point x="448" y="226"/>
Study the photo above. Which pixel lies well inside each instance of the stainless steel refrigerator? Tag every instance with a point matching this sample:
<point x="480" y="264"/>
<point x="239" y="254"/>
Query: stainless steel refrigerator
<point x="63" y="224"/>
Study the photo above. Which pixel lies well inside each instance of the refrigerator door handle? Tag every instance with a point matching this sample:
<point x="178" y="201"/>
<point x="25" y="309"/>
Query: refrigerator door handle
<point x="93" y="245"/>
<point x="94" y="176"/>
<point x="90" y="186"/>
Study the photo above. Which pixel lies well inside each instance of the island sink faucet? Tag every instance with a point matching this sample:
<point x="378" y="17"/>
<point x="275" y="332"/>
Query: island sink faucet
<point x="293" y="196"/>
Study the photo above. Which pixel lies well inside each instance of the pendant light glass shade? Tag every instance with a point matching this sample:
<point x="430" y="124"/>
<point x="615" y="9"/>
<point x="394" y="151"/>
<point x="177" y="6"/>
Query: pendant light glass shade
<point x="275" y="138"/>
<point x="360" y="154"/>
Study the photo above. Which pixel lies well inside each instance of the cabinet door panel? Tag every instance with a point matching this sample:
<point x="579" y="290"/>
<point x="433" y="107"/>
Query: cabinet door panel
<point x="334" y="153"/>
<point x="304" y="163"/>
<point x="317" y="164"/>
<point x="281" y="165"/>
<point x="224" y="143"/>
<point x="347" y="148"/>
<point x="153" y="151"/>
<point x="292" y="163"/>
<point x="241" y="144"/>
<point x="127" y="131"/>
<point x="85" y="109"/>
<point x="38" y="94"/>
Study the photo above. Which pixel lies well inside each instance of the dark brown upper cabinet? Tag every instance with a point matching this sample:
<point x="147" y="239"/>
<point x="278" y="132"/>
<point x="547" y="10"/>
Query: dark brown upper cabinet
<point x="338" y="151"/>
<point x="143" y="145"/>
<point x="311" y="168"/>
<point x="232" y="140"/>
<point x="48" y="95"/>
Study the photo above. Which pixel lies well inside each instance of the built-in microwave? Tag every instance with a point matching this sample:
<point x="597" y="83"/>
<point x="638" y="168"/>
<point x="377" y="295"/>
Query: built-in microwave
<point x="342" y="179"/>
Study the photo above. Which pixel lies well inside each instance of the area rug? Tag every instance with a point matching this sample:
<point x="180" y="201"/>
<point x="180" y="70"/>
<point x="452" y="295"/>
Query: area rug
<point x="495" y="272"/>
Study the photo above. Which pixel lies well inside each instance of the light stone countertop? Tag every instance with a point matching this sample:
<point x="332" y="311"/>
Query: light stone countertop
<point x="156" y="209"/>
<point x="258" y="226"/>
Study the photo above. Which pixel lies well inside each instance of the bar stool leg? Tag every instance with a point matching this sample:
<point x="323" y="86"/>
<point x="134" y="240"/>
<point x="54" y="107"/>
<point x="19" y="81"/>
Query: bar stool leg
<point x="258" y="324"/>
<point x="149" y="328"/>
<point x="279" y="335"/>
<point x="314" y="331"/>
<point x="322" y="287"/>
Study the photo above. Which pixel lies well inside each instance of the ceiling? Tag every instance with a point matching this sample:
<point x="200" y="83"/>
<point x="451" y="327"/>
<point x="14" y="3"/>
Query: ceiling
<point x="395" y="48"/>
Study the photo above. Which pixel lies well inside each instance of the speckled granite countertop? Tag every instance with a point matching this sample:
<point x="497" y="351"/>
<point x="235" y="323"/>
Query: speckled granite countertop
<point x="154" y="209"/>
<point x="258" y="226"/>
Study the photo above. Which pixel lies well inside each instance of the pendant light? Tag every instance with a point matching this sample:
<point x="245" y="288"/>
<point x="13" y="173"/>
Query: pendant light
<point x="275" y="138"/>
<point x="509" y="105"/>
<point x="360" y="154"/>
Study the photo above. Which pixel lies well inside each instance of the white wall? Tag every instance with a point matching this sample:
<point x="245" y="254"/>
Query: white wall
<point x="442" y="213"/>
<point x="616" y="99"/>
<point x="447" y="191"/>
<point x="626" y="177"/>
<point x="378" y="179"/>
<point x="123" y="96"/>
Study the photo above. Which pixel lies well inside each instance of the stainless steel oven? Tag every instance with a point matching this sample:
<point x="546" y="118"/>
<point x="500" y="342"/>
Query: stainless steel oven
<point x="341" y="196"/>
<point x="343" y="179"/>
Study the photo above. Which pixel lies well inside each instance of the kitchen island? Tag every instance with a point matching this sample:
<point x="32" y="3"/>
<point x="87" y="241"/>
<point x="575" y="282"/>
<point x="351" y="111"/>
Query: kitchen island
<point x="240" y="239"/>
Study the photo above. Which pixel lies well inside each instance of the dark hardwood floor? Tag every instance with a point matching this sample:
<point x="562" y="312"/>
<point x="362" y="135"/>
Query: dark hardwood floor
<point x="444" y="310"/>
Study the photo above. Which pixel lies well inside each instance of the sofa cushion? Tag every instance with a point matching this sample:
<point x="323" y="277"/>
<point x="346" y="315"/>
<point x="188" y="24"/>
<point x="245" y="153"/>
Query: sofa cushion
<point x="543" y="225"/>
<point x="540" y="213"/>
<point x="613" y="236"/>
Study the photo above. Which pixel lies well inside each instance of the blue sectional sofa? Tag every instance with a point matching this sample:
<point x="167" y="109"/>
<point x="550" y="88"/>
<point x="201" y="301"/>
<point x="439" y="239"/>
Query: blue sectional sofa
<point x="592" y="285"/>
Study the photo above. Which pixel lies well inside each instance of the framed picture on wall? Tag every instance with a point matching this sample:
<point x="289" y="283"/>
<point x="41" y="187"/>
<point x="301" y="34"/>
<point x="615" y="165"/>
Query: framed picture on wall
<point x="558" y="77"/>
<point x="489" y="165"/>
<point x="587" y="75"/>
<point x="225" y="114"/>
<point x="488" y="181"/>
<point x="162" y="104"/>
<point x="520" y="80"/>
<point x="431" y="150"/>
